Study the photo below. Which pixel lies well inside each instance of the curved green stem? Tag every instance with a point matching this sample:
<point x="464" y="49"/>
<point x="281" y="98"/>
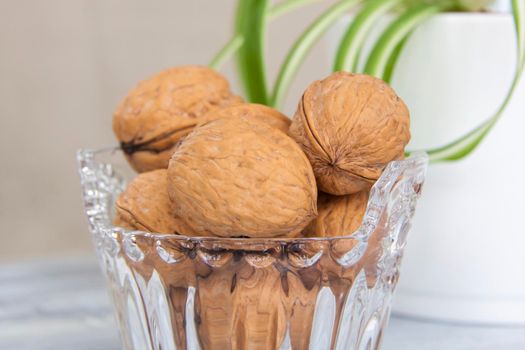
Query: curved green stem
<point x="461" y="147"/>
<point x="518" y="11"/>
<point x="303" y="45"/>
<point x="286" y="6"/>
<point x="390" y="39"/>
<point x="235" y="43"/>
<point x="464" y="145"/>
<point x="392" y="61"/>
<point x="251" y="65"/>
<point x="347" y="56"/>
<point x="226" y="52"/>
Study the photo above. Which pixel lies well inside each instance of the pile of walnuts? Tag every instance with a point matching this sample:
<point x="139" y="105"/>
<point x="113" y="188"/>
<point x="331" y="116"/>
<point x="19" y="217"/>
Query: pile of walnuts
<point x="213" y="165"/>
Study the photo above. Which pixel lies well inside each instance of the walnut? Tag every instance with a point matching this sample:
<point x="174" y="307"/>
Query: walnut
<point x="163" y="109"/>
<point x="338" y="215"/>
<point x="263" y="113"/>
<point x="350" y="126"/>
<point x="240" y="177"/>
<point x="372" y="256"/>
<point x="251" y="313"/>
<point x="145" y="206"/>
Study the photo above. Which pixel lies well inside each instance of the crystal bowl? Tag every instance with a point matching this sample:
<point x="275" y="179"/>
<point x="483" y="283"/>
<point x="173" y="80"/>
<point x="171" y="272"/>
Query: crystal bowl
<point x="175" y="292"/>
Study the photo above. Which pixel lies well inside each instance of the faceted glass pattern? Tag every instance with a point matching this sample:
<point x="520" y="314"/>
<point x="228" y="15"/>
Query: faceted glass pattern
<point x="176" y="292"/>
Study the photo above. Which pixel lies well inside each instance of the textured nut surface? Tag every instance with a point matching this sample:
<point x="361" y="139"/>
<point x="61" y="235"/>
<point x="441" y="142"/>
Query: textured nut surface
<point x="145" y="205"/>
<point x="236" y="177"/>
<point x="241" y="308"/>
<point x="338" y="215"/>
<point x="161" y="110"/>
<point x="263" y="113"/>
<point x="350" y="126"/>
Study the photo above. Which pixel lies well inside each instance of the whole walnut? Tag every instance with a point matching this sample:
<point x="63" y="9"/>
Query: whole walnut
<point x="145" y="205"/>
<point x="350" y="126"/>
<point x="263" y="113"/>
<point x="163" y="109"/>
<point x="236" y="177"/>
<point x="338" y="215"/>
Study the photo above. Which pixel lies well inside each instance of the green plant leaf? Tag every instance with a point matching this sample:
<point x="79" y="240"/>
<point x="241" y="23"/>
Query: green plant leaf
<point x="518" y="11"/>
<point x="392" y="61"/>
<point x="236" y="42"/>
<point x="303" y="45"/>
<point x="396" y="32"/>
<point x="347" y="56"/>
<point x="226" y="52"/>
<point x="286" y="6"/>
<point x="251" y="25"/>
<point x="466" y="144"/>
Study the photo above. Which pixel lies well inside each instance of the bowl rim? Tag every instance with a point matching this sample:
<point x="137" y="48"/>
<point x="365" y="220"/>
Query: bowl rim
<point x="416" y="162"/>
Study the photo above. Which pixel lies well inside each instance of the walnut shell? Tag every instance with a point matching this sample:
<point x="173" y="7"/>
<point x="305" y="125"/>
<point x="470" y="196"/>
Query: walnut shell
<point x="338" y="215"/>
<point x="350" y="126"/>
<point x="251" y="313"/>
<point x="145" y="205"/>
<point x="236" y="177"/>
<point x="163" y="109"/>
<point x="263" y="113"/>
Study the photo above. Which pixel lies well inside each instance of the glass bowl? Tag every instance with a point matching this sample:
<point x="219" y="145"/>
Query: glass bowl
<point x="177" y="292"/>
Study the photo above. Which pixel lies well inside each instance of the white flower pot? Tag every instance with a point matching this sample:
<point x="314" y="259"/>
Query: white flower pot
<point x="465" y="259"/>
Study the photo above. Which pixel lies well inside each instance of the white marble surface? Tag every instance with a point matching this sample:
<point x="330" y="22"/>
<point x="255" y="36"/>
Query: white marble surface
<point x="62" y="304"/>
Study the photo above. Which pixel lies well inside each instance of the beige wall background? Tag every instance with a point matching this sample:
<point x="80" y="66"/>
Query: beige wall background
<point x="64" y="66"/>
